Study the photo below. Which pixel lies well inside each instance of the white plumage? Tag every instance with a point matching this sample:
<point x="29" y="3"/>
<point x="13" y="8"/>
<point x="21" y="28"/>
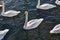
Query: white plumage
<point x="45" y="6"/>
<point x="57" y="2"/>
<point x="3" y="33"/>
<point x="34" y="23"/>
<point x="56" y="29"/>
<point x="9" y="13"/>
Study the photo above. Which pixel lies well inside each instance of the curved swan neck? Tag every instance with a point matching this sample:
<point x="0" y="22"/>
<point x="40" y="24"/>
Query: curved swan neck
<point x="26" y="18"/>
<point x="3" y="8"/>
<point x="38" y="4"/>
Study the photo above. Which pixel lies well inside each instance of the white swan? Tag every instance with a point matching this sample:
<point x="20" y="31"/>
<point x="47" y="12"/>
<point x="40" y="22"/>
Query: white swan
<point x="3" y="33"/>
<point x="56" y="29"/>
<point x="9" y="13"/>
<point x="57" y="2"/>
<point x="45" y="6"/>
<point x="32" y="23"/>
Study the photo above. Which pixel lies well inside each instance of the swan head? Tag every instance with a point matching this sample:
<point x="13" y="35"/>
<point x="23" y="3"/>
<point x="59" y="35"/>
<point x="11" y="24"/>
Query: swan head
<point x="26" y="13"/>
<point x="1" y="3"/>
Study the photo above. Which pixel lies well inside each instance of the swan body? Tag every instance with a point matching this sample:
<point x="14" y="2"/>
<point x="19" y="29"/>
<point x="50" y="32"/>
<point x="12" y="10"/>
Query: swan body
<point x="56" y="29"/>
<point x="3" y="33"/>
<point x="57" y="2"/>
<point x="9" y="13"/>
<point x="45" y="6"/>
<point x="32" y="23"/>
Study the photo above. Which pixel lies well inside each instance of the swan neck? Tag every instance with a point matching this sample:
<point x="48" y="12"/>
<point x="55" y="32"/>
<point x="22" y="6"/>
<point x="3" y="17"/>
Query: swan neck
<point x="38" y="4"/>
<point x="3" y="8"/>
<point x="26" y="18"/>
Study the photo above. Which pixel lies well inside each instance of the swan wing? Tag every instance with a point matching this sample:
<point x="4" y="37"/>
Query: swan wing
<point x="31" y="21"/>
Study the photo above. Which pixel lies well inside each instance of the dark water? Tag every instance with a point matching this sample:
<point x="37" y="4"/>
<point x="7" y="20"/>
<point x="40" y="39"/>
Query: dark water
<point x="15" y="24"/>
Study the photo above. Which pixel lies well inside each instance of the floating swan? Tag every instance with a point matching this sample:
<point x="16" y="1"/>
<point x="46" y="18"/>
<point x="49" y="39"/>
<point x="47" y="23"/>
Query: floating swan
<point x="9" y="13"/>
<point x="56" y="29"/>
<point x="45" y="6"/>
<point x="3" y="33"/>
<point x="32" y="23"/>
<point x="57" y="2"/>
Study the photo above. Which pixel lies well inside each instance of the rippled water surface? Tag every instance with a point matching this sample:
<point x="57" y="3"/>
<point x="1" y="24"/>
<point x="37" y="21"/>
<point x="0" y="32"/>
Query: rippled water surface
<point x="15" y="24"/>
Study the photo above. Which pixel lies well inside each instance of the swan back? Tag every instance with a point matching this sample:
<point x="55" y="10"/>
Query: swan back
<point x="10" y="13"/>
<point x="56" y="29"/>
<point x="47" y="6"/>
<point x="3" y="33"/>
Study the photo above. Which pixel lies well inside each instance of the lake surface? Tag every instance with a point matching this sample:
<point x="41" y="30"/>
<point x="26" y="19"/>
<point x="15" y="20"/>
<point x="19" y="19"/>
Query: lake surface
<point x="15" y="24"/>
